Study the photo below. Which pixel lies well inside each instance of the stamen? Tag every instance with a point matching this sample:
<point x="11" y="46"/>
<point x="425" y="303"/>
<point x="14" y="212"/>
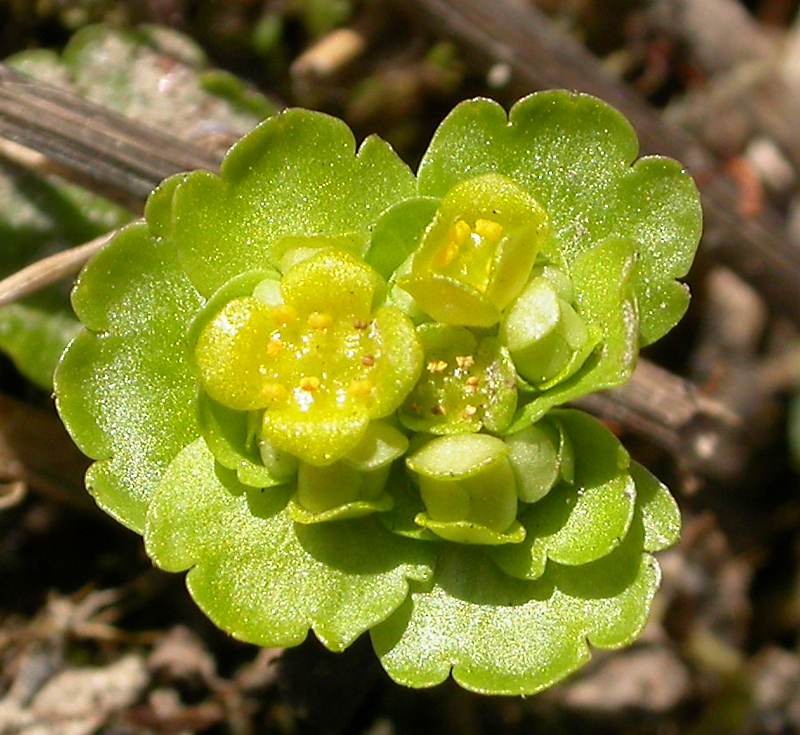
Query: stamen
<point x="488" y="229"/>
<point x="284" y="314"/>
<point x="309" y="383"/>
<point x="360" y="388"/>
<point x="319" y="320"/>
<point x="447" y="255"/>
<point x="460" y="232"/>
<point x="472" y="384"/>
<point x="274" y="392"/>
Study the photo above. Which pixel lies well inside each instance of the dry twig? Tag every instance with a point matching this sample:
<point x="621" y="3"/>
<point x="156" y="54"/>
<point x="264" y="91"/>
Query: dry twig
<point x="48" y="271"/>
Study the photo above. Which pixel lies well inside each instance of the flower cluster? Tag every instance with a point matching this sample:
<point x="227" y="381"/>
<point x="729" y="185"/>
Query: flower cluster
<point x="329" y="389"/>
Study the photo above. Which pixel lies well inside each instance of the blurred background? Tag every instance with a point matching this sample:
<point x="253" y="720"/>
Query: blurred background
<point x="93" y="640"/>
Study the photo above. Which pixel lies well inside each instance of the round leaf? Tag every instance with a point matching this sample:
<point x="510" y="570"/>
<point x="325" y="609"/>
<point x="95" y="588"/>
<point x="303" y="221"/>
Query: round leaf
<point x="499" y="635"/>
<point x="125" y="387"/>
<point x="297" y="174"/>
<point x="265" y="580"/>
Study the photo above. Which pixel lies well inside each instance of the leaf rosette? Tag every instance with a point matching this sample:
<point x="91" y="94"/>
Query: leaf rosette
<point x="319" y="370"/>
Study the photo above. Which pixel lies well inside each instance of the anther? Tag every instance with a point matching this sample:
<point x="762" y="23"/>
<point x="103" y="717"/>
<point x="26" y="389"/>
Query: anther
<point x="319" y="320"/>
<point x="368" y="360"/>
<point x="274" y="392"/>
<point x="472" y="384"/>
<point x="360" y="388"/>
<point x="438" y="410"/>
<point x="437" y="366"/>
<point x="460" y="232"/>
<point x="447" y="255"/>
<point x="309" y="383"/>
<point x="274" y="347"/>
<point x="488" y="229"/>
<point x="465" y="361"/>
<point x="284" y="314"/>
<point x="470" y="411"/>
<point x="360" y="324"/>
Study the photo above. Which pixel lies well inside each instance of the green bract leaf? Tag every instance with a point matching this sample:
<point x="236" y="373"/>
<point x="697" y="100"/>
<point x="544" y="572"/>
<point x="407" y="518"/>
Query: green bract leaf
<point x="499" y="635"/>
<point x="136" y="304"/>
<point x="34" y="333"/>
<point x="398" y="233"/>
<point x="468" y="488"/>
<point x="660" y="514"/>
<point x="354" y="486"/>
<point x="602" y="281"/>
<point x="295" y="175"/>
<point x="234" y="443"/>
<point x="264" y="579"/>
<point x="536" y="458"/>
<point x="574" y="155"/>
<point x="576" y="524"/>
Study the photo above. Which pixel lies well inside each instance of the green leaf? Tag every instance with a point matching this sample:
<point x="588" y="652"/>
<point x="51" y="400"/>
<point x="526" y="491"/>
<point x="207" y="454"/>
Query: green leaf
<point x="576" y="524"/>
<point x="574" y="155"/>
<point x="34" y="333"/>
<point x="601" y="278"/>
<point x="468" y="488"/>
<point x="398" y="233"/>
<point x="499" y="635"/>
<point x="228" y="436"/>
<point x="297" y="174"/>
<point x="265" y="580"/>
<point x="660" y="514"/>
<point x="535" y="456"/>
<point x="125" y="387"/>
